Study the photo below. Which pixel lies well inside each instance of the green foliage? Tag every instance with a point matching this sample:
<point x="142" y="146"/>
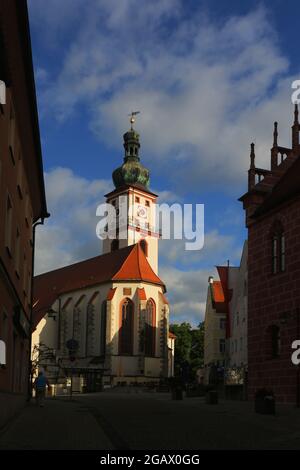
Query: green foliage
<point x="189" y="346"/>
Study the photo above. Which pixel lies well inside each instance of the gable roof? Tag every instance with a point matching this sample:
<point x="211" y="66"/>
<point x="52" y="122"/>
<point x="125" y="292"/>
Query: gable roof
<point x="125" y="264"/>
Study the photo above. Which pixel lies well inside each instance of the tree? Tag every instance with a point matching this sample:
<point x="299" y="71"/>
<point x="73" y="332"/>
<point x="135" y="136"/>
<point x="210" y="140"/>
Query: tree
<point x="189" y="347"/>
<point x="197" y="350"/>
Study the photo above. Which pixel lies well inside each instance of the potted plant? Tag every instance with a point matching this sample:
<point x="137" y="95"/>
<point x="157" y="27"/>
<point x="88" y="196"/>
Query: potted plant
<point x="264" y="401"/>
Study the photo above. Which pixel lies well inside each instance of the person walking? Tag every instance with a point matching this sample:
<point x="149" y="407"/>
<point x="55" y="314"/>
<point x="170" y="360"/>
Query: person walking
<point x="40" y="384"/>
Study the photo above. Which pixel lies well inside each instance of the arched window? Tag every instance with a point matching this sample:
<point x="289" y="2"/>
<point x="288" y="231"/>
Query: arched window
<point x="150" y="321"/>
<point x="114" y="245"/>
<point x="278" y="248"/>
<point x="144" y="246"/>
<point x="273" y="342"/>
<point x="90" y="324"/>
<point x="103" y="329"/>
<point x="126" y="327"/>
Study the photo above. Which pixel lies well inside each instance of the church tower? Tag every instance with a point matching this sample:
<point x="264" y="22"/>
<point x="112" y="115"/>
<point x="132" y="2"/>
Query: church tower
<point x="135" y="224"/>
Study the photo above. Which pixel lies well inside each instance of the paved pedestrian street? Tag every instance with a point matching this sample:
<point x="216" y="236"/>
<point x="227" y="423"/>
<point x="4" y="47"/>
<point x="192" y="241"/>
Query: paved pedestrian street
<point x="138" y="420"/>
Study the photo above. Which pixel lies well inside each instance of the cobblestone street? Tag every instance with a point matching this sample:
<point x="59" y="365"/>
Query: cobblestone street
<point x="121" y="420"/>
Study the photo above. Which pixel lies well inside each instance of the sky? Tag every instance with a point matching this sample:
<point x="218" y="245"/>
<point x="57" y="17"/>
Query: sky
<point x="209" y="77"/>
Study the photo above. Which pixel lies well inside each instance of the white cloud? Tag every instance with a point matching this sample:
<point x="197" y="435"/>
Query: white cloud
<point x="216" y="250"/>
<point x="187" y="292"/>
<point x="70" y="233"/>
<point x="205" y="89"/>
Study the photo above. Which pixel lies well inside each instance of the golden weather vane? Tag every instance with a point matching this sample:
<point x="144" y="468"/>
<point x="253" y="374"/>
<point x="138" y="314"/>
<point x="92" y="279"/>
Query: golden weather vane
<point x="132" y="118"/>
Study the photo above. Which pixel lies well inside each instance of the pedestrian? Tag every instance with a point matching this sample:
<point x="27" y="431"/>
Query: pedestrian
<point x="40" y="384"/>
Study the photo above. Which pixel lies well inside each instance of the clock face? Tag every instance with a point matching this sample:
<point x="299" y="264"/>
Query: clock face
<point x="142" y="212"/>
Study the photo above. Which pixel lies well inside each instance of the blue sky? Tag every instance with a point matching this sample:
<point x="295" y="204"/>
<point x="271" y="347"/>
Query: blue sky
<point x="209" y="77"/>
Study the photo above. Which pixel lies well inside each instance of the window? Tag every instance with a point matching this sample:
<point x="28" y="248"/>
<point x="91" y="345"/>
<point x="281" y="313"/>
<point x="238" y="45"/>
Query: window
<point x="90" y="327"/>
<point x="150" y="328"/>
<point x="282" y="252"/>
<point x="114" y="245"/>
<point x="103" y="329"/>
<point x="137" y="199"/>
<point x="272" y="342"/>
<point x="147" y="203"/>
<point x="144" y="246"/>
<point x="222" y="346"/>
<point x="274" y="255"/>
<point x="126" y="327"/>
<point x="8" y="224"/>
<point x="278" y="248"/>
<point x="222" y="323"/>
<point x="275" y="341"/>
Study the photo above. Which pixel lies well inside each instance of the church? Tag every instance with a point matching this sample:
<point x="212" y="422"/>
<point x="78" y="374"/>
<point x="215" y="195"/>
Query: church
<point x="106" y="319"/>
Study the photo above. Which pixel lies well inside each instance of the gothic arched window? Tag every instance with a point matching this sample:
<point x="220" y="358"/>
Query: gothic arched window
<point x="144" y="246"/>
<point x="103" y="329"/>
<point x="278" y="248"/>
<point x="273" y="342"/>
<point x="150" y="320"/>
<point x="90" y="325"/>
<point x="126" y="327"/>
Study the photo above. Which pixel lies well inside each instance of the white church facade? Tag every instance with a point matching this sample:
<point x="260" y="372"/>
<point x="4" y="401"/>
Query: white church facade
<point x="112" y="309"/>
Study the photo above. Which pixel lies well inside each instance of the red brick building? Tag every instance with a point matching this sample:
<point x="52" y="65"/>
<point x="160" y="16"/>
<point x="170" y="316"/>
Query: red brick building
<point x="272" y="206"/>
<point x="22" y="201"/>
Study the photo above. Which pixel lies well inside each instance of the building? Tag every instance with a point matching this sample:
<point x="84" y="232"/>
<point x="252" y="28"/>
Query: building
<point x="237" y="331"/>
<point x="225" y="341"/>
<point x="272" y="207"/>
<point x="215" y="332"/>
<point x="114" y="305"/>
<point x="22" y="201"/>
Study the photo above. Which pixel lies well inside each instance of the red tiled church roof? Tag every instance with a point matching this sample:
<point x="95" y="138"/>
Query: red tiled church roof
<point x="136" y="267"/>
<point x="125" y="264"/>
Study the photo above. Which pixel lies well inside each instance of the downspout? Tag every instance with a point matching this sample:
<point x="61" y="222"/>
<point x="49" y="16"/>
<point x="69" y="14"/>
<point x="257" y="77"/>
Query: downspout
<point x="35" y="224"/>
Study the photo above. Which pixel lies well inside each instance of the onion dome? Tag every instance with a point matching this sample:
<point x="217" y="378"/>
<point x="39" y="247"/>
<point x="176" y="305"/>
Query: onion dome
<point x="132" y="171"/>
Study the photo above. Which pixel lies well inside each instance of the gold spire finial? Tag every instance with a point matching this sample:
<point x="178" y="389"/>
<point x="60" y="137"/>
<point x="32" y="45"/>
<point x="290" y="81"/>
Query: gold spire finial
<point x="132" y="118"/>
